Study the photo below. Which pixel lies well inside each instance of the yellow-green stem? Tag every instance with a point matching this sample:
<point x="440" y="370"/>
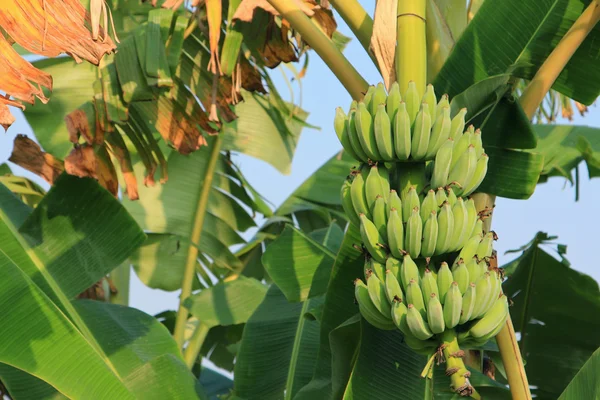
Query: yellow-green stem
<point x="555" y="63"/>
<point x="455" y="367"/>
<point x="195" y="344"/>
<point x="192" y="255"/>
<point x="411" y="50"/>
<point x="354" y="83"/>
<point x="513" y="363"/>
<point x="358" y="20"/>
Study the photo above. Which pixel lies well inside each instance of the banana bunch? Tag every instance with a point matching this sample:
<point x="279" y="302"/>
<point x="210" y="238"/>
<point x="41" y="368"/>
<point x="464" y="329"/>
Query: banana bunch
<point x="386" y="127"/>
<point x="460" y="163"/>
<point x="435" y="224"/>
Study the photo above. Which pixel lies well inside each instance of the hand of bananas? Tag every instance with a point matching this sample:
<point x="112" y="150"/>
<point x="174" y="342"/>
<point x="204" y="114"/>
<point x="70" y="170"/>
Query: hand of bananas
<point x="403" y="224"/>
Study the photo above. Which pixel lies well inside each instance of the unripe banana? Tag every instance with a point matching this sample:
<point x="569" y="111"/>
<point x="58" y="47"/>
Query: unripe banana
<point x="380" y="217"/>
<point x="484" y="291"/>
<point x="468" y="303"/>
<point x="372" y="239"/>
<point x="493" y="295"/>
<point x="409" y="203"/>
<point x="367" y="308"/>
<point x="459" y="211"/>
<point x="444" y="280"/>
<point x="478" y="175"/>
<point x="353" y="106"/>
<point x="377" y="292"/>
<point x="392" y="287"/>
<point x="369" y="96"/>
<point x="394" y="202"/>
<point x="496" y="315"/>
<point x="458" y="124"/>
<point x="347" y="203"/>
<point x="451" y="197"/>
<point x="417" y="325"/>
<point x="477" y="142"/>
<point x="471" y="218"/>
<point x="474" y="269"/>
<point x="435" y="314"/>
<point x="340" y="124"/>
<point x="478" y="229"/>
<point x="414" y="233"/>
<point x="445" y="229"/>
<point x="366" y="133"/>
<point x="413" y="101"/>
<point x="464" y="169"/>
<point x="357" y="193"/>
<point x="431" y="101"/>
<point x="402" y="133"/>
<point x="428" y="205"/>
<point x="379" y="98"/>
<point x="440" y="197"/>
<point x="469" y="250"/>
<point x="353" y="136"/>
<point x="383" y="133"/>
<point x="408" y="272"/>
<point x="393" y="265"/>
<point x="444" y="102"/>
<point x="486" y="245"/>
<point x="441" y="165"/>
<point x="453" y="306"/>
<point x="376" y="185"/>
<point x="393" y="100"/>
<point x="395" y="234"/>
<point x="428" y="285"/>
<point x="461" y="276"/>
<point x="399" y="313"/>
<point x="484" y="339"/>
<point x="430" y="233"/>
<point x="374" y="267"/>
<point x="414" y="296"/>
<point x="421" y="133"/>
<point x="461" y="144"/>
<point x="439" y="133"/>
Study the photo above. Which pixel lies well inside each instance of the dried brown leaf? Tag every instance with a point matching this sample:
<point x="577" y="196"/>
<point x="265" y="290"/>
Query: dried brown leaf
<point x="383" y="40"/>
<point x="82" y="162"/>
<point x="28" y="154"/>
<point x="324" y="18"/>
<point x="245" y="11"/>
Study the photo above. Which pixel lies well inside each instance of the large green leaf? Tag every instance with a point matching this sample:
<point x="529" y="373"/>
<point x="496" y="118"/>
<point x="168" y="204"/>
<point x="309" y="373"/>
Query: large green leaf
<point x="278" y="349"/>
<point x="515" y="37"/>
<point x="227" y="303"/>
<point x="552" y="311"/>
<point x="586" y="384"/>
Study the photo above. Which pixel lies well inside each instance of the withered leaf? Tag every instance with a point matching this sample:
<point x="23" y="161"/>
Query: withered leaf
<point x="28" y="154"/>
<point x="383" y="40"/>
<point x="246" y="9"/>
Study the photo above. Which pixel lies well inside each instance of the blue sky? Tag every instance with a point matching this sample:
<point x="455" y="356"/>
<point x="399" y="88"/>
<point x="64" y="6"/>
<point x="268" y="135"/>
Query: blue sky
<point x="551" y="209"/>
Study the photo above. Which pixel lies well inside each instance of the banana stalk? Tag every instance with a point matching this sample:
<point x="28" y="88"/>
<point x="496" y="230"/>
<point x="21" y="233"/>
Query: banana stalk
<point x="455" y="367"/>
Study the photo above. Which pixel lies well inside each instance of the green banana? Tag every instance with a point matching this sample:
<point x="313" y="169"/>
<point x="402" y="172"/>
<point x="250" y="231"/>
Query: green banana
<point x="372" y="239"/>
<point x="379" y="98"/>
<point x="469" y="250"/>
<point x="418" y="327"/>
<point x="413" y="101"/>
<point x="468" y="303"/>
<point x="421" y="133"/>
<point x="444" y="280"/>
<point x="366" y="133"/>
<point x="495" y="316"/>
<point x="445" y="229"/>
<point x="451" y="196"/>
<point x="477" y="142"/>
<point x="394" y="202"/>
<point x="439" y="133"/>
<point x="471" y="217"/>
<point x="414" y="233"/>
<point x="380" y="217"/>
<point x="485" y="247"/>
<point x="428" y="285"/>
<point x="414" y="296"/>
<point x="357" y="193"/>
<point x="430" y="233"/>
<point x="409" y="203"/>
<point x="428" y="205"/>
<point x="452" y="306"/>
<point x="399" y="313"/>
<point x="367" y="308"/>
<point x="353" y="136"/>
<point x="440" y="197"/>
<point x="435" y="314"/>
<point x="461" y="276"/>
<point x="444" y="102"/>
<point x="478" y="229"/>
<point x="461" y="144"/>
<point x="430" y="99"/>
<point x="493" y="295"/>
<point x="474" y="269"/>
<point x="441" y="165"/>
<point x="383" y="133"/>
<point x="478" y="175"/>
<point x="392" y="287"/>
<point x="459" y="211"/>
<point x="340" y="125"/>
<point x="402" y="133"/>
<point x="484" y="291"/>
<point x="369" y="96"/>
<point x="464" y="169"/>
<point x="376" y="268"/>
<point x="347" y="203"/>
<point x="408" y="271"/>
<point x="376" y="185"/>
<point x="393" y="100"/>
<point x="377" y="292"/>
<point x="458" y="124"/>
<point x="393" y="265"/>
<point x="395" y="233"/>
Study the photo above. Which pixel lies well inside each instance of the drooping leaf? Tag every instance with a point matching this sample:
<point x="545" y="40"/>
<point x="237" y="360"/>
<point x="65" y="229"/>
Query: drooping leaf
<point x="586" y="384"/>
